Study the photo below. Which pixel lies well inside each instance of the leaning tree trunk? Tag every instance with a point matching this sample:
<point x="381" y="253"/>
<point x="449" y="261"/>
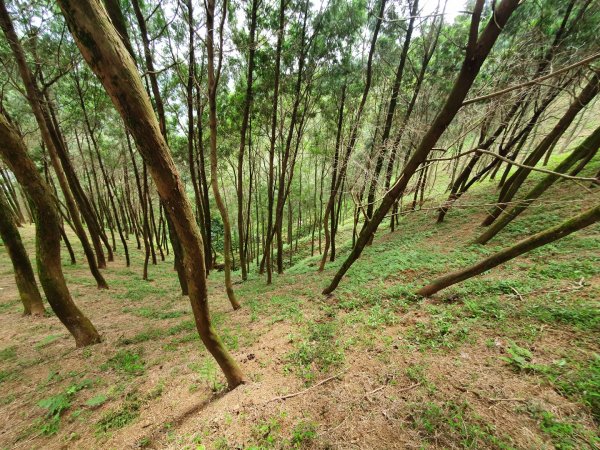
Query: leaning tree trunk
<point x="213" y="81"/>
<point x="510" y="188"/>
<point x="28" y="290"/>
<point x="343" y="165"/>
<point x="478" y="48"/>
<point x="47" y="220"/>
<point x="537" y="240"/>
<point x="107" y="56"/>
<point x="585" y="151"/>
<point x="42" y="117"/>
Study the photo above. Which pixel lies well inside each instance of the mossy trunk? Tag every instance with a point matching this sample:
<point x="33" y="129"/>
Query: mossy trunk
<point x="537" y="240"/>
<point x="47" y="220"/>
<point x="213" y="76"/>
<point x="109" y="59"/>
<point x="28" y="290"/>
<point x="43" y="119"/>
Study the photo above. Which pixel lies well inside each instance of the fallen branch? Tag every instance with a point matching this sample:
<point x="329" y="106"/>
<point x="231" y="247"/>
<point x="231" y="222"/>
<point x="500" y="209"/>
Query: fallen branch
<point x="304" y="391"/>
<point x="408" y="388"/>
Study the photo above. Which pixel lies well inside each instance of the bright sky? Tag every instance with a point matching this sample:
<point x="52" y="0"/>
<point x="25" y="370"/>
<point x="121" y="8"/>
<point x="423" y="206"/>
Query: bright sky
<point x="453" y="7"/>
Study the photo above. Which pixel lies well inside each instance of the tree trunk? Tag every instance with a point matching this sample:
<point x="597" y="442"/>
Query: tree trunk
<point x="585" y="151"/>
<point x="353" y="130"/>
<point x="109" y="59"/>
<point x="477" y="50"/>
<point x="35" y="99"/>
<point x="47" y="220"/>
<point x="213" y="80"/>
<point x="510" y="188"/>
<point x="268" y="250"/>
<point x="391" y="109"/>
<point x="537" y="240"/>
<point x="243" y="131"/>
<point x="28" y="290"/>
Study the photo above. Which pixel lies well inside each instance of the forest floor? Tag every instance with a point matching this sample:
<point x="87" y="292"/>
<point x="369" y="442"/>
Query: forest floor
<point x="510" y="359"/>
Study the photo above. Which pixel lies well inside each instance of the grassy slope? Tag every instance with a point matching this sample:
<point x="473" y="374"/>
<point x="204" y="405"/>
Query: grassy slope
<point x="506" y="360"/>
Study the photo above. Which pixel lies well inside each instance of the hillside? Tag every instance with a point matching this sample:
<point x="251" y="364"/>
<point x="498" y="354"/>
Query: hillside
<point x="506" y="360"/>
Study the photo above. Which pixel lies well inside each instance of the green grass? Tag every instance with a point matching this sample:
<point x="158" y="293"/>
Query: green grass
<point x="451" y="425"/>
<point x="47" y="340"/>
<point x="143" y="336"/>
<point x="126" y="361"/>
<point x="444" y="330"/>
<point x="8" y="353"/>
<point x="120" y="417"/>
<point x="319" y="350"/>
<point x="56" y="405"/>
<point x="154" y="313"/>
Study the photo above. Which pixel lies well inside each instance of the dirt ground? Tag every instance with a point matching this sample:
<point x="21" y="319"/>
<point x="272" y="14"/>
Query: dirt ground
<point x="508" y="360"/>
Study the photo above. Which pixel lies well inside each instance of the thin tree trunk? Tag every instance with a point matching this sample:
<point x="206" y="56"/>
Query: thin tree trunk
<point x="213" y="80"/>
<point x="510" y="188"/>
<point x="585" y="151"/>
<point x="477" y="50"/>
<point x="243" y="131"/>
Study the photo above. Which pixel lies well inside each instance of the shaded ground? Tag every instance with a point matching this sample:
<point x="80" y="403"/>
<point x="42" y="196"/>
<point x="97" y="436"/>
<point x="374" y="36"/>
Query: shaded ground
<point x="507" y="360"/>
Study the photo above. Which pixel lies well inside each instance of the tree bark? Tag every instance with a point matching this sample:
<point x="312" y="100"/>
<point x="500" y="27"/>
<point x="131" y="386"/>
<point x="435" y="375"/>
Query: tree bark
<point x="103" y="50"/>
<point x="213" y="81"/>
<point x="43" y="120"/>
<point x="26" y="284"/>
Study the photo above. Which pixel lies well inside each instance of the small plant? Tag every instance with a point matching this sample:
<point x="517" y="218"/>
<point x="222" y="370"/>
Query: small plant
<point x="303" y="433"/>
<point x="453" y="425"/>
<point x="267" y="432"/>
<point x="319" y="351"/>
<point x="207" y="371"/>
<point x="126" y="361"/>
<point x="47" y="341"/>
<point x="56" y="405"/>
<point x="561" y="433"/>
<point x="443" y="331"/>
<point x="143" y="336"/>
<point x="97" y="400"/>
<point x="520" y="359"/>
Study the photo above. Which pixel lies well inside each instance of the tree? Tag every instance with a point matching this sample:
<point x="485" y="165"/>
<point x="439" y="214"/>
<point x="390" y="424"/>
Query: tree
<point x="213" y="82"/>
<point x="109" y="59"/>
<point x="53" y="143"/>
<point x="28" y="290"/>
<point x="47" y="220"/>
<point x="584" y="152"/>
<point x="551" y="234"/>
<point x="477" y="50"/>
